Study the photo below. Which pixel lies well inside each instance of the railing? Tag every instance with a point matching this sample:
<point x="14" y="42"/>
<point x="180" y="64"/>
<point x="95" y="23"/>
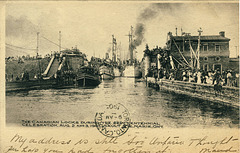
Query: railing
<point x="227" y="95"/>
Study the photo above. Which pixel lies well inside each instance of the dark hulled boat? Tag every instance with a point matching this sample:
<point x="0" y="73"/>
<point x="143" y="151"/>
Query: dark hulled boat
<point x="88" y="77"/>
<point x="30" y="85"/>
<point x="60" y="73"/>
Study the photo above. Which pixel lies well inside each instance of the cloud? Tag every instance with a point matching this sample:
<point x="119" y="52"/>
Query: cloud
<point x="20" y="27"/>
<point x="90" y="26"/>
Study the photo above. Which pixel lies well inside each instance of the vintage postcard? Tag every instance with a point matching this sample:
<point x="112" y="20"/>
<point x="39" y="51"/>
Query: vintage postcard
<point x="119" y="77"/>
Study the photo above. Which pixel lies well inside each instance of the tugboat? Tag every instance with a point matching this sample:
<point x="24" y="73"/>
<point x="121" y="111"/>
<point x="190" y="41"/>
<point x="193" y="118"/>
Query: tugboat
<point x="87" y="76"/>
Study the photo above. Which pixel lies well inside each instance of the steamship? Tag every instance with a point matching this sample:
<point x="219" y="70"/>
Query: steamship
<point x="132" y="71"/>
<point x="111" y="68"/>
<point x="117" y="72"/>
<point x="132" y="67"/>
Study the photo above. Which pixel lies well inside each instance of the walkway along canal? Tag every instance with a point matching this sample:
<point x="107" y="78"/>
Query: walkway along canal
<point x="226" y="95"/>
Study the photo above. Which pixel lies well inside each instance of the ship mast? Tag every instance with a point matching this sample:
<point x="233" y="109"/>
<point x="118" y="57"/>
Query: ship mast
<point x="114" y="49"/>
<point x="119" y="52"/>
<point x="37" y="42"/>
<point x="198" y="49"/>
<point x="59" y="41"/>
<point x="130" y="48"/>
<point x="37" y="54"/>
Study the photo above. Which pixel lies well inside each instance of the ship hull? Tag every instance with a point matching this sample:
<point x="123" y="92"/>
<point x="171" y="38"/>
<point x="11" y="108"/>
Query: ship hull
<point x="106" y="76"/>
<point x="132" y="72"/>
<point x="106" y="73"/>
<point x="30" y="85"/>
<point x="86" y="80"/>
<point x="117" y="72"/>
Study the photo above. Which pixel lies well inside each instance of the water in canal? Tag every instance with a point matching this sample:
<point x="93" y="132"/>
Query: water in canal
<point x="143" y="104"/>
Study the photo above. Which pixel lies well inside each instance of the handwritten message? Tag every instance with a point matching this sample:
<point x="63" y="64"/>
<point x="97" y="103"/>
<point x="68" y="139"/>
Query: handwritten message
<point x="130" y="144"/>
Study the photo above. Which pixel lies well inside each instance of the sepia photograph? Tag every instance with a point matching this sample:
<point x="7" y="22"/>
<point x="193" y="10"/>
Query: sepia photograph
<point x="117" y="68"/>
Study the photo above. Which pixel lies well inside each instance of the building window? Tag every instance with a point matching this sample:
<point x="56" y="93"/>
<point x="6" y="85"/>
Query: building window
<point x="205" y="58"/>
<point x="205" y="67"/>
<point x="217" y="48"/>
<point x="205" y="48"/>
<point x="217" y="58"/>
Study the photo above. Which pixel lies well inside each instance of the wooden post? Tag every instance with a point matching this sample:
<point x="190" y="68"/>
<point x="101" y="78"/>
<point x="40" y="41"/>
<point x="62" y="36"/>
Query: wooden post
<point x="84" y="82"/>
<point x="146" y="82"/>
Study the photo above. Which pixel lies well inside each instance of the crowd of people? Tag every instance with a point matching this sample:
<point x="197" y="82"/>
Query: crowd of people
<point x="224" y="78"/>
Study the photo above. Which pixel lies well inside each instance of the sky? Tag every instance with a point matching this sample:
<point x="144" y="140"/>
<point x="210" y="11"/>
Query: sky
<point x="90" y="25"/>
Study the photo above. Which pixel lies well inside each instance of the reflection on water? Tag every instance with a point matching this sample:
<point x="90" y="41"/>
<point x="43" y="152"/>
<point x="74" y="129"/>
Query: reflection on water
<point x="143" y="104"/>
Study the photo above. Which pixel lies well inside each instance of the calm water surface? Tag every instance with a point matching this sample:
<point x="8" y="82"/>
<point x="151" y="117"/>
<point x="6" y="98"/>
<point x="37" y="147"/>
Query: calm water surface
<point x="143" y="104"/>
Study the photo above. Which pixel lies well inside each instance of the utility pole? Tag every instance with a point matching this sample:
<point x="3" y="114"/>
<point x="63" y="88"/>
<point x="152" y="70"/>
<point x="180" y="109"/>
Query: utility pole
<point x="198" y="50"/>
<point x="59" y="41"/>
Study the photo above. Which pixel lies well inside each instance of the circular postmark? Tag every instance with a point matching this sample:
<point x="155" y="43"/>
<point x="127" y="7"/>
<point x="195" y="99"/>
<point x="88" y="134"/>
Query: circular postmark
<point x="113" y="121"/>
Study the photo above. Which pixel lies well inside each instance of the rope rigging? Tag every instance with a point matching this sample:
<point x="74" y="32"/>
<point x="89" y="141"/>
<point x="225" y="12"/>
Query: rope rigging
<point x="179" y="62"/>
<point x="52" y="42"/>
<point x="191" y="49"/>
<point x="19" y="48"/>
<point x="10" y="45"/>
<point x="16" y="50"/>
<point x="180" y="52"/>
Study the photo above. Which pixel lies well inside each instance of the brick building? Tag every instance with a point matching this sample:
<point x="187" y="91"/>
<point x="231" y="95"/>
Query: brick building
<point x="214" y="49"/>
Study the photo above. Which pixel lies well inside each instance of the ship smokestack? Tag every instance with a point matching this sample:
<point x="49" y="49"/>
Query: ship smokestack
<point x="151" y="12"/>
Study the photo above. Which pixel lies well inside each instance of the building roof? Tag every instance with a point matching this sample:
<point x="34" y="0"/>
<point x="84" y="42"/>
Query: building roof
<point x="234" y="59"/>
<point x="208" y="37"/>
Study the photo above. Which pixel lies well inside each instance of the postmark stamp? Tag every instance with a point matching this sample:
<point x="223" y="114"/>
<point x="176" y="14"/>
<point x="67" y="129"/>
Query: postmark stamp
<point x="113" y="121"/>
